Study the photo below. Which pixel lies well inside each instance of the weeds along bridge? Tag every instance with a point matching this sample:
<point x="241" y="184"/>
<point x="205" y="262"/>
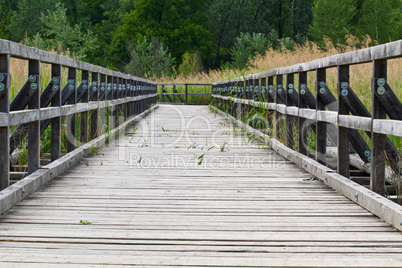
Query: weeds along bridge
<point x="113" y="178"/>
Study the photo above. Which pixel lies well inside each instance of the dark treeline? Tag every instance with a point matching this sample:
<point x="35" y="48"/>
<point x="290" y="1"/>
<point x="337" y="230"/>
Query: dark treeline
<point x="154" y="37"/>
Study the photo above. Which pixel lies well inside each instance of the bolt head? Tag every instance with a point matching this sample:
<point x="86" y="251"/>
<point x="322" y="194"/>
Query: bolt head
<point x="303" y="86"/>
<point x="55" y="87"/>
<point x="302" y="92"/>
<point x="71" y="82"/>
<point x="322" y="90"/>
<point x="367" y="153"/>
<point x="2" y="77"/>
<point x="32" y="78"/>
<point x="381" y="82"/>
<point x="369" y="159"/>
<point x="55" y="80"/>
<point x="344" y="92"/>
<point x="290" y="86"/>
<point x="279" y="90"/>
<point x="84" y="82"/>
<point x="85" y="87"/>
<point x="328" y="143"/>
<point x="271" y="87"/>
<point x="290" y="91"/>
<point x="34" y="86"/>
<point x="71" y="87"/>
<point x="344" y="85"/>
<point x="102" y="88"/>
<point x="2" y="87"/>
<point x="322" y="84"/>
<point x="94" y="88"/>
<point x="381" y="90"/>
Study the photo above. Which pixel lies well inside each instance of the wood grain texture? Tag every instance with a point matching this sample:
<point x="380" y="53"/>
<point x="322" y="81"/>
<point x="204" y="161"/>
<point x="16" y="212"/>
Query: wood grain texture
<point x="152" y="202"/>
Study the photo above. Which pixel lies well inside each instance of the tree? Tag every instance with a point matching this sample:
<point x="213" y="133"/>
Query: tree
<point x="25" y="20"/>
<point x="190" y="64"/>
<point x="331" y="18"/>
<point x="6" y="8"/>
<point x="381" y="20"/>
<point x="149" y="59"/>
<point x="179" y="24"/>
<point x="56" y="32"/>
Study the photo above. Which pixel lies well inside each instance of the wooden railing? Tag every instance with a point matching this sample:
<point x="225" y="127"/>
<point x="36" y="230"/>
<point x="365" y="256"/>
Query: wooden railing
<point x="95" y="93"/>
<point x="336" y="119"/>
<point x="171" y="97"/>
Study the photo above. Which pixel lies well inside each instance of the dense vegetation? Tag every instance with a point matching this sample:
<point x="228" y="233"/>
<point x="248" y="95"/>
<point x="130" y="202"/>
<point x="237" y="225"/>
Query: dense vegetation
<point x="166" y="37"/>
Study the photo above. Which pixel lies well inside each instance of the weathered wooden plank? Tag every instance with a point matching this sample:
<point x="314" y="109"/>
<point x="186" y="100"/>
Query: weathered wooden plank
<point x="5" y="85"/>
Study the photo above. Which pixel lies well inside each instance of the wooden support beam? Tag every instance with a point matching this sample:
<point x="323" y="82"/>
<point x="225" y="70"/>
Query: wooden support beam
<point x="55" y="136"/>
<point x="290" y="90"/>
<point x="321" y="127"/>
<point x="302" y="122"/>
<point x="34" y="126"/>
<point x="279" y="100"/>
<point x="378" y="141"/>
<point x="71" y="128"/>
<point x="343" y="133"/>
<point x="84" y="99"/>
<point x="5" y="85"/>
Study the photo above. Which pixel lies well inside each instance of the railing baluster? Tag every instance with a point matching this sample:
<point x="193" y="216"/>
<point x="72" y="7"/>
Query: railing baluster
<point x="378" y="141"/>
<point x="84" y="115"/>
<point x="5" y="85"/>
<point x="321" y="127"/>
<point x="343" y="133"/>
<point x="302" y="122"/>
<point x="71" y="119"/>
<point x="55" y="144"/>
<point x="289" y="118"/>
<point x="34" y="126"/>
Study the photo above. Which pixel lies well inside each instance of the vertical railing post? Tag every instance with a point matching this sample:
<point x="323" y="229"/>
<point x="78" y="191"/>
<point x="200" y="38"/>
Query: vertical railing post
<point x="343" y="133"/>
<point x="5" y="85"/>
<point x="321" y="127"/>
<point x="289" y="118"/>
<point x="84" y="115"/>
<point x="278" y="100"/>
<point x="71" y="129"/>
<point x="270" y="99"/>
<point x="34" y="126"/>
<point x="378" y="141"/>
<point x="186" y="90"/>
<point x="55" y="137"/>
<point x="302" y="122"/>
<point x="95" y="112"/>
<point x="163" y="94"/>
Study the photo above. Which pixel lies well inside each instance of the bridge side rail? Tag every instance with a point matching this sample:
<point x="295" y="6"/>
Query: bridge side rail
<point x="335" y="119"/>
<point x="171" y="97"/>
<point x="103" y="98"/>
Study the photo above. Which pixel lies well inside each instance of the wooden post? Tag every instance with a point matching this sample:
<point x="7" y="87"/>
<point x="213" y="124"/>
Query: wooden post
<point x="84" y="115"/>
<point x="278" y="100"/>
<point x="321" y="127"/>
<point x="55" y="136"/>
<point x="302" y="122"/>
<point x="95" y="112"/>
<point x="186" y="89"/>
<point x="378" y="141"/>
<point x="71" y="129"/>
<point x="289" y="118"/>
<point x="343" y="133"/>
<point x="270" y="94"/>
<point x="5" y="85"/>
<point x="34" y="126"/>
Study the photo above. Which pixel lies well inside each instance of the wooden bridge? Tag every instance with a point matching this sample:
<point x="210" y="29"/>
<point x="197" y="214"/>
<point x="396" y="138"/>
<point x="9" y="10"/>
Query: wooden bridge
<point x="151" y="185"/>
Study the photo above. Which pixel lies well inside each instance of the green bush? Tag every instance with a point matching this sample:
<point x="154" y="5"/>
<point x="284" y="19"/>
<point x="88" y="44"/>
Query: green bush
<point x="191" y="64"/>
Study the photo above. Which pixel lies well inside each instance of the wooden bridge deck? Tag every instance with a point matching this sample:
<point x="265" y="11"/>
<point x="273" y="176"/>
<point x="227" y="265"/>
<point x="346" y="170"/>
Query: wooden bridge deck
<point x="165" y="197"/>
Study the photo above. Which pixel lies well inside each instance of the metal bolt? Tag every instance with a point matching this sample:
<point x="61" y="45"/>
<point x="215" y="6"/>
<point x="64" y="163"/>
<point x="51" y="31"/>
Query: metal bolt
<point x="34" y="86"/>
<point x="271" y="91"/>
<point x="303" y="86"/>
<point x="381" y="90"/>
<point x="95" y="88"/>
<point x="328" y="143"/>
<point x="55" y="87"/>
<point x="71" y="81"/>
<point x="84" y="82"/>
<point x="322" y="90"/>
<point x="369" y="159"/>
<point x="302" y="92"/>
<point x="322" y="84"/>
<point x="2" y="77"/>
<point x="2" y="87"/>
<point x="32" y="78"/>
<point x="344" y="92"/>
<point x="381" y="82"/>
<point x="84" y="87"/>
<point x="102" y="88"/>
<point x="279" y="86"/>
<point x="103" y="84"/>
<point x="290" y="86"/>
<point x="71" y="87"/>
<point x="271" y="87"/>
<point x="279" y="90"/>
<point x="290" y="91"/>
<point x="344" y="85"/>
<point x="367" y="153"/>
<point x="55" y="80"/>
